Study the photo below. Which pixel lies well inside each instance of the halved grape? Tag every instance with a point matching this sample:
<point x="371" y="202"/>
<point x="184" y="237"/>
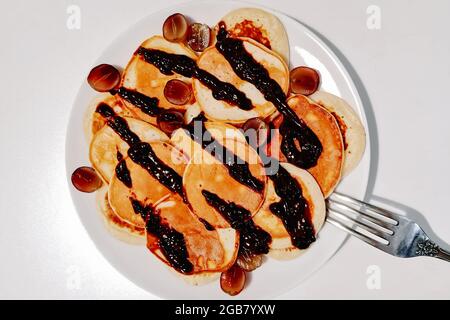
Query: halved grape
<point x="178" y="92"/>
<point x="199" y="36"/>
<point x="175" y="28"/>
<point x="232" y="281"/>
<point x="85" y="179"/>
<point x="170" y="120"/>
<point x="248" y="261"/>
<point x="304" y="80"/>
<point x="256" y="131"/>
<point x="104" y="78"/>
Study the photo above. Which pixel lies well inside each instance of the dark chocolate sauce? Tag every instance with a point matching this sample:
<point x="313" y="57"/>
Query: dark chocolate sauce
<point x="253" y="239"/>
<point x="142" y="154"/>
<point x="118" y="124"/>
<point x="293" y="128"/>
<point x="123" y="174"/>
<point x="140" y="209"/>
<point x="169" y="63"/>
<point x="237" y="168"/>
<point x="170" y="241"/>
<point x="148" y="105"/>
<point x="292" y="209"/>
<point x="207" y="225"/>
<point x="119" y="156"/>
<point x="105" y="110"/>
<point x="310" y="145"/>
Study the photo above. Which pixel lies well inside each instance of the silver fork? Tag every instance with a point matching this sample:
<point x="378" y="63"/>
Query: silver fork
<point x="385" y="230"/>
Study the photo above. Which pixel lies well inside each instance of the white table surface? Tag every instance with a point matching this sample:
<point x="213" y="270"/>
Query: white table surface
<point x="403" y="74"/>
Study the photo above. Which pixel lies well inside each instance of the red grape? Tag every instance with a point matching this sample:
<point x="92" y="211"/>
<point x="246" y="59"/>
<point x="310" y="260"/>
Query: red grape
<point x="85" y="179"/>
<point x="304" y="80"/>
<point x="249" y="261"/>
<point x="175" y="28"/>
<point x="178" y="92"/>
<point x="170" y="120"/>
<point x="232" y="281"/>
<point x="104" y="77"/>
<point x="199" y="36"/>
<point x="256" y="131"/>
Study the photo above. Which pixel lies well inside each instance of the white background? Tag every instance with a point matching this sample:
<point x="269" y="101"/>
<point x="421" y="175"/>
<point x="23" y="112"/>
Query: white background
<point x="403" y="75"/>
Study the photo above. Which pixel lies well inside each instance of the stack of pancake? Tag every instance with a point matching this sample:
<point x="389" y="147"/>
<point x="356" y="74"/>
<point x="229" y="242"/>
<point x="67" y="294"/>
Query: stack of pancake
<point x="210" y="242"/>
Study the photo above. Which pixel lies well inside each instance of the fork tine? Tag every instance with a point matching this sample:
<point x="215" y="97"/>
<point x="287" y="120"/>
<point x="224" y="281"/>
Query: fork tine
<point x="376" y="223"/>
<point x="355" y="233"/>
<point x="361" y="223"/>
<point x="339" y="197"/>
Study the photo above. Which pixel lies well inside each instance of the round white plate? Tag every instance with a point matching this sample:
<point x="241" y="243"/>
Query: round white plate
<point x="136" y="262"/>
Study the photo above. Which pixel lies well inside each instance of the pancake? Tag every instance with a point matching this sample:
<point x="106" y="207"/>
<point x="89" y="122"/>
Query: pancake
<point x="106" y="145"/>
<point x="148" y="80"/>
<point x="350" y="124"/>
<point x="204" y="172"/>
<point x="259" y="25"/>
<point x="219" y="131"/>
<point x="117" y="227"/>
<point x="144" y="187"/>
<point x="192" y="111"/>
<point x="215" y="63"/>
<point x="281" y="246"/>
<point x="327" y="171"/>
<point x="209" y="251"/>
<point x="93" y="122"/>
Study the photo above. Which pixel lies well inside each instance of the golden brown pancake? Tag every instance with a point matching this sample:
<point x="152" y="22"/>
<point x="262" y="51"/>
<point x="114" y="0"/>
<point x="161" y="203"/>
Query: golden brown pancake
<point x="350" y="124"/>
<point x="214" y="62"/>
<point x="328" y="169"/>
<point x="145" y="188"/>
<point x="93" y="121"/>
<point x="208" y="250"/>
<point x="259" y="25"/>
<point x="147" y="79"/>
<point x="274" y="226"/>
<point x="218" y="130"/>
<point x="107" y="146"/>
<point x="116" y="226"/>
<point x="204" y="172"/>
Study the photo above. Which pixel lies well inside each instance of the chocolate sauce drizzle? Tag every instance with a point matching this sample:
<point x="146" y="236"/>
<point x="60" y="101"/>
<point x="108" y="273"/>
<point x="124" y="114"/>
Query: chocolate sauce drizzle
<point x="119" y="156"/>
<point x="168" y="63"/>
<point x="207" y="225"/>
<point x="237" y="168"/>
<point x="142" y="154"/>
<point x="123" y="174"/>
<point x="293" y="128"/>
<point x="105" y="110"/>
<point x="292" y="209"/>
<point x="170" y="241"/>
<point x="146" y="104"/>
<point x="253" y="239"/>
<point x="118" y="124"/>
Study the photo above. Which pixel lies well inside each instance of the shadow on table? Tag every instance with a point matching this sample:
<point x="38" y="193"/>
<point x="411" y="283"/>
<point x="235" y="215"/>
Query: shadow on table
<point x="414" y="215"/>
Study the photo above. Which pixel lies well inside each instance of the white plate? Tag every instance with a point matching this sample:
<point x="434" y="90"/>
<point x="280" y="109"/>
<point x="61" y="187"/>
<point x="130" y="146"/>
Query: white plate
<point x="136" y="262"/>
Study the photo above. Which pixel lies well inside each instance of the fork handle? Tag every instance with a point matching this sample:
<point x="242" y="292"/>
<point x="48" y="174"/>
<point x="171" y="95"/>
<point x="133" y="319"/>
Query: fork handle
<point x="426" y="247"/>
<point x="443" y="254"/>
